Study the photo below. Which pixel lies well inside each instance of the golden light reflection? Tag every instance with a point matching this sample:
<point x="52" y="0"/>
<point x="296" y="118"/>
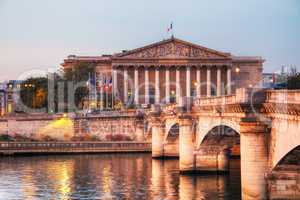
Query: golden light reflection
<point x="61" y="129"/>
<point x="62" y="174"/>
<point x="29" y="189"/>
<point x="64" y="182"/>
<point x="107" y="182"/>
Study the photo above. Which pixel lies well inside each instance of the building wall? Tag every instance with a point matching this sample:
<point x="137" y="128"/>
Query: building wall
<point x="250" y="75"/>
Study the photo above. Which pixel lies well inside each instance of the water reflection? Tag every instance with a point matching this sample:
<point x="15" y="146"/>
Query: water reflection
<point x="110" y="176"/>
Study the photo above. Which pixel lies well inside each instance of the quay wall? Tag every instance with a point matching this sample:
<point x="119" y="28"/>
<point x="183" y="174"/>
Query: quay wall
<point x="102" y="128"/>
<point x="11" y="148"/>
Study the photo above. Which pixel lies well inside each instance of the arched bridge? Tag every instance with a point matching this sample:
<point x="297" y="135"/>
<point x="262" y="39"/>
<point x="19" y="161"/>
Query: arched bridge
<point x="262" y="127"/>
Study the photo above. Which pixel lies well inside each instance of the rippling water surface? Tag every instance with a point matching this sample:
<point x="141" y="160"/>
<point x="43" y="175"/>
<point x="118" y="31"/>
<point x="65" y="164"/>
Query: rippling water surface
<point x="110" y="176"/>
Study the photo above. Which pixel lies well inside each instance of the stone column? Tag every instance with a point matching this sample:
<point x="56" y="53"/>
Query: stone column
<point x="157" y="137"/>
<point x="178" y="95"/>
<point x="167" y="85"/>
<point x="157" y="89"/>
<point x="198" y="79"/>
<point x="219" y="80"/>
<point x="146" y="85"/>
<point x="102" y="94"/>
<point x="208" y="82"/>
<point x="228" y="80"/>
<point x="125" y="85"/>
<point x="115" y="86"/>
<point x="254" y="160"/>
<point x="188" y="81"/>
<point x="186" y="145"/>
<point x="136" y="86"/>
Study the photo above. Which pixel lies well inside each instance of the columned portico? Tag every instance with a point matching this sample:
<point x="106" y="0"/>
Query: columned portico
<point x="163" y="77"/>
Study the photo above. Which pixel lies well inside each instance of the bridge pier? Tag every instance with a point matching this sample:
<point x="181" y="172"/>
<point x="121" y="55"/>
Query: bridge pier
<point x="157" y="138"/>
<point x="186" y="145"/>
<point x="254" y="160"/>
<point x="212" y="160"/>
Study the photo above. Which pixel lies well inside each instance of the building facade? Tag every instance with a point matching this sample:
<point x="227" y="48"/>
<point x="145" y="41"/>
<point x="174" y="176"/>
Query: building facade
<point x="170" y="70"/>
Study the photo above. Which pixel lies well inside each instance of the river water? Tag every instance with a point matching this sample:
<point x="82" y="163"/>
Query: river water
<point x="110" y="176"/>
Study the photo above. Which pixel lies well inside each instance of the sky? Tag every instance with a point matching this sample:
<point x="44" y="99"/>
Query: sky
<point x="37" y="35"/>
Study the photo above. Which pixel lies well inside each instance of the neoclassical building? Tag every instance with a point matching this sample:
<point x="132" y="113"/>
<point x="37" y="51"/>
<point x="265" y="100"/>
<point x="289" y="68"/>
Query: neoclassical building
<point x="166" y="71"/>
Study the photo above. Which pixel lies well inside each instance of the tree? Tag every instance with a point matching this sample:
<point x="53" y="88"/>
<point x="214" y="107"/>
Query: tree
<point x="293" y="81"/>
<point x="80" y="74"/>
<point x="34" y="92"/>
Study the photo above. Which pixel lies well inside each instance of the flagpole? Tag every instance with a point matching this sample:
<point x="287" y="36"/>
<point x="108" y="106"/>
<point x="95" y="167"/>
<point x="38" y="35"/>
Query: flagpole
<point x="95" y="89"/>
<point x="106" y="96"/>
<point x="112" y="93"/>
<point x="89" y="88"/>
<point x="101" y="93"/>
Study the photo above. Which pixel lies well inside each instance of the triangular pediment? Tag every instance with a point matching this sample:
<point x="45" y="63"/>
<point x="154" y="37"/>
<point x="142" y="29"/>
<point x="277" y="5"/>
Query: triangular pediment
<point x="173" y="48"/>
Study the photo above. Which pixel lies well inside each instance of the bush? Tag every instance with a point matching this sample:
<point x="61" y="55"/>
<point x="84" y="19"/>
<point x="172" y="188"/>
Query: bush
<point x="293" y="81"/>
<point x="118" y="137"/>
<point x="6" y="138"/>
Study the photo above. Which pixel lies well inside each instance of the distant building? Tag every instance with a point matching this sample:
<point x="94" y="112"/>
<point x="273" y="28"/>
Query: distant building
<point x="9" y="96"/>
<point x="2" y="102"/>
<point x="269" y="80"/>
<point x="13" y="95"/>
<point x="274" y="80"/>
<point x="166" y="71"/>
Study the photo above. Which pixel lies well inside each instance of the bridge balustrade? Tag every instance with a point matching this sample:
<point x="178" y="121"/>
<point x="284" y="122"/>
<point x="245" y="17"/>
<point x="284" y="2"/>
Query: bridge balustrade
<point x="283" y="96"/>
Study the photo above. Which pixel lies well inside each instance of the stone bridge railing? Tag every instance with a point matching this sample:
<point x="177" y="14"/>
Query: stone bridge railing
<point x="283" y="96"/>
<point x="242" y="96"/>
<point x="252" y="96"/>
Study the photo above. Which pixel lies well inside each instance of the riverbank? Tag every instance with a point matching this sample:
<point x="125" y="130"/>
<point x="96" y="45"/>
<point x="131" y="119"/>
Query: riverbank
<point x="14" y="148"/>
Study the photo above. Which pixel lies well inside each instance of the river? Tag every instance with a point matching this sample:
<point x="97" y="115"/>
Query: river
<point x="110" y="177"/>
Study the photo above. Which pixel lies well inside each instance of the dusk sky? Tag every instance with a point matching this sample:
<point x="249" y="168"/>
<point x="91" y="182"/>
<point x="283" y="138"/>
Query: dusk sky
<point x="39" y="34"/>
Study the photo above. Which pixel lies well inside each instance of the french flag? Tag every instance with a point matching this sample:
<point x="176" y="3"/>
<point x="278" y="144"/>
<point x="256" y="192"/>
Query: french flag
<point x="170" y="27"/>
<point x="110" y="84"/>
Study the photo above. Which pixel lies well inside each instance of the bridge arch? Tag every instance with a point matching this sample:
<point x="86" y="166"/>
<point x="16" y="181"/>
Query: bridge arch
<point x="285" y="138"/>
<point x="170" y="123"/>
<point x="205" y="125"/>
<point x="173" y="133"/>
<point x="291" y="158"/>
<point x="223" y="137"/>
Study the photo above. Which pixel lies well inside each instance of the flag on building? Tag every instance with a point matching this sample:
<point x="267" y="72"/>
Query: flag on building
<point x="106" y="81"/>
<point x="110" y="84"/>
<point x="92" y="79"/>
<point x="170" y="27"/>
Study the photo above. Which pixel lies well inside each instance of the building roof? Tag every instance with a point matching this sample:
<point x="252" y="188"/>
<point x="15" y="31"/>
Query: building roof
<point x="173" y="47"/>
<point x="166" y="49"/>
